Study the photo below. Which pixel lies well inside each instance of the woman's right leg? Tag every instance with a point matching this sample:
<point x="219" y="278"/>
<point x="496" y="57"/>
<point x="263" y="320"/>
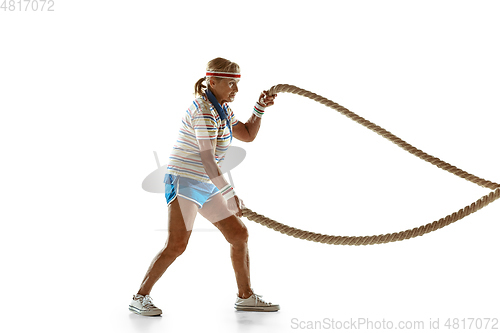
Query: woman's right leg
<point x="181" y="215"/>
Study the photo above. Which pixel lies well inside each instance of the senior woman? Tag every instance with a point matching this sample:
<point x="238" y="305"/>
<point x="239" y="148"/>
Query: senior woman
<point x="194" y="183"/>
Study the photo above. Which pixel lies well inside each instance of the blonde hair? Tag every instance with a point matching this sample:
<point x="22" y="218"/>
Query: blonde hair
<point x="217" y="65"/>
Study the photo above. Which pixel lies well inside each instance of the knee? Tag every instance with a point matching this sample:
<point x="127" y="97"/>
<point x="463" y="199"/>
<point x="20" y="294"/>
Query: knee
<point x="239" y="237"/>
<point x="175" y="247"/>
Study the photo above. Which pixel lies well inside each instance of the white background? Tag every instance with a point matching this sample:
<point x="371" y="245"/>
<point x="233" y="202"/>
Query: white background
<point x="89" y="91"/>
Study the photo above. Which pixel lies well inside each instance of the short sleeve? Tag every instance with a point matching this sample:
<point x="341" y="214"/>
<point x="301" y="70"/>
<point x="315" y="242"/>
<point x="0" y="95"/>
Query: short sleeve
<point x="204" y="123"/>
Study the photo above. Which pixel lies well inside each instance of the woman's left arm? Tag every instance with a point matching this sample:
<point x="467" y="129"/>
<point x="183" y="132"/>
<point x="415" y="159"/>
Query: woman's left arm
<point x="247" y="132"/>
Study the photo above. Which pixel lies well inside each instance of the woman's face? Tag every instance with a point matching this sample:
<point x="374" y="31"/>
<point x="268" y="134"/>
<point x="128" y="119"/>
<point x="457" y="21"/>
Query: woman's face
<point x="224" y="89"/>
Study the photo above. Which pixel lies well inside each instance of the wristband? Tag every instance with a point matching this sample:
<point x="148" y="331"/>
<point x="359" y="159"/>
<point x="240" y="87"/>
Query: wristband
<point x="227" y="192"/>
<point x="258" y="110"/>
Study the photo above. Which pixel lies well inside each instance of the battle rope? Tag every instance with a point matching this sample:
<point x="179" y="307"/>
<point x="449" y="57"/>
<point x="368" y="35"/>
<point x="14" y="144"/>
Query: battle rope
<point x="378" y="239"/>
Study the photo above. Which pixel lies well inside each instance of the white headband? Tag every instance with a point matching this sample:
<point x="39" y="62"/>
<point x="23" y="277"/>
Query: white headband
<point x="223" y="74"/>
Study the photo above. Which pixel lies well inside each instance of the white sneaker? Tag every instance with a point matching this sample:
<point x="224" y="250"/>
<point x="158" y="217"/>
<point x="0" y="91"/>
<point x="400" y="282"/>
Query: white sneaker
<point x="254" y="303"/>
<point x="143" y="305"/>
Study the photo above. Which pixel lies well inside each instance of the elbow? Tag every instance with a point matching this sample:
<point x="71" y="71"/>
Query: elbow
<point x="206" y="155"/>
<point x="208" y="159"/>
<point x="246" y="138"/>
<point x="249" y="137"/>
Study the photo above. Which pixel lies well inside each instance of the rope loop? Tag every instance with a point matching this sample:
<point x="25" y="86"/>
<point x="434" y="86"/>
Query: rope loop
<point x="387" y="238"/>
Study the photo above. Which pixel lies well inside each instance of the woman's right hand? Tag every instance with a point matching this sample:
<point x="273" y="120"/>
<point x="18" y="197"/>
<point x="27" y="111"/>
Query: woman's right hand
<point x="235" y="205"/>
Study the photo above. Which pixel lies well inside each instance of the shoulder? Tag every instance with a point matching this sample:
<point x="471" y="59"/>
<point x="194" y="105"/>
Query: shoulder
<point x="202" y="105"/>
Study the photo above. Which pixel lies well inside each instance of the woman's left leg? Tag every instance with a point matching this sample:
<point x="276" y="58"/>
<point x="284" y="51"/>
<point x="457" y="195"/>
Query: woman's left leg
<point x="236" y="233"/>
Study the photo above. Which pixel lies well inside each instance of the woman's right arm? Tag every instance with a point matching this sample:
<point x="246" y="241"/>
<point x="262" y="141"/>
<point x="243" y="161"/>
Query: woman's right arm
<point x="209" y="163"/>
<point x="213" y="171"/>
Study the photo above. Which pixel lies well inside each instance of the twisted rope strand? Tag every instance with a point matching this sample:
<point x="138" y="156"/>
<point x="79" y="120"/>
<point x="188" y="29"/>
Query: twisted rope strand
<point x="386" y="134"/>
<point x="378" y="239"/>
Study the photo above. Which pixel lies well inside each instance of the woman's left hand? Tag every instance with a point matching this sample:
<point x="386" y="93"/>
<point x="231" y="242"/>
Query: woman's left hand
<point x="265" y="99"/>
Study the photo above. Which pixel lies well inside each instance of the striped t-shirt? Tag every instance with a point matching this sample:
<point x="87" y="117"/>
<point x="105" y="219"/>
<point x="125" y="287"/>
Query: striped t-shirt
<point x="201" y="121"/>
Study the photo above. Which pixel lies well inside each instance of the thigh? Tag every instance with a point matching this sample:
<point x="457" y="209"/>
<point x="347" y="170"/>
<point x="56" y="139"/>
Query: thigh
<point x="230" y="225"/>
<point x="216" y="209"/>
<point x="181" y="216"/>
